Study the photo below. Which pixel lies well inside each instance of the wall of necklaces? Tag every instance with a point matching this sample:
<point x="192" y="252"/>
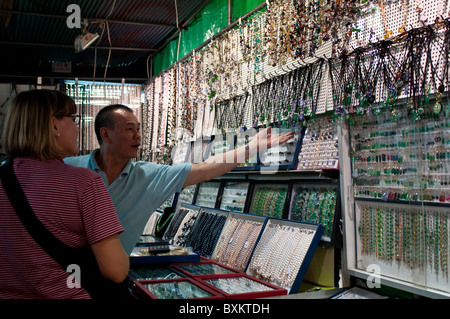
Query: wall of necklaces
<point x="374" y="73"/>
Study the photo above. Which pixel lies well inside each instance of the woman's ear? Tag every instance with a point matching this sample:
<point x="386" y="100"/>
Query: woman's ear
<point x="56" y="126"/>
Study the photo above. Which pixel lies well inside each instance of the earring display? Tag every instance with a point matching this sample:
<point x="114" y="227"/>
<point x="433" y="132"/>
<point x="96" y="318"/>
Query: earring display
<point x="183" y="288"/>
<point x="283" y="253"/>
<point x="238" y="239"/>
<point x="206" y="230"/>
<point x="187" y="194"/>
<point x="234" y="196"/>
<point x="269" y="200"/>
<point x="282" y="156"/>
<point x="314" y="204"/>
<point x="207" y="194"/>
<point x="401" y="160"/>
<point x="406" y="241"/>
<point x="242" y="286"/>
<point x="319" y="145"/>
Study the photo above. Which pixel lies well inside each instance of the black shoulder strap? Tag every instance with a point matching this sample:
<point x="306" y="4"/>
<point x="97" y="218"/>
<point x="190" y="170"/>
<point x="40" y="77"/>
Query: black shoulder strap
<point x="91" y="278"/>
<point x="23" y="209"/>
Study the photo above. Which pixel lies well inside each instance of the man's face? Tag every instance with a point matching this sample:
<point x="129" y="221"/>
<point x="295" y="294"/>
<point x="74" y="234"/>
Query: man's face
<point x="125" y="138"/>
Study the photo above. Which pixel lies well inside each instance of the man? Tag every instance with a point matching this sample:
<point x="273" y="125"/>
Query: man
<point x="137" y="189"/>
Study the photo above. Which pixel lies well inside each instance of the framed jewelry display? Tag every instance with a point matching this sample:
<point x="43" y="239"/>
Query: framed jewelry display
<point x="180" y="288"/>
<point x="238" y="239"/>
<point x="207" y="194"/>
<point x="242" y="286"/>
<point x="269" y="199"/>
<point x="282" y="156"/>
<point x="317" y="203"/>
<point x="284" y="252"/>
<point x="206" y="230"/>
<point x="396" y="211"/>
<point x="234" y="195"/>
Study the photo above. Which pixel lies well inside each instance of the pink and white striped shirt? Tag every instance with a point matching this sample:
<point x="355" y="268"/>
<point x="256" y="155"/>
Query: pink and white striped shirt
<point x="73" y="204"/>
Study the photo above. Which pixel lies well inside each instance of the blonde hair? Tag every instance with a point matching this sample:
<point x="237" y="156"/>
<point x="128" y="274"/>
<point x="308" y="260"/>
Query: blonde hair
<point x="29" y="125"/>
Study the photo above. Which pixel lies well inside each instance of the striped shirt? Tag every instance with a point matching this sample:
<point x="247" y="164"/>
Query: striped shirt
<point x="73" y="204"/>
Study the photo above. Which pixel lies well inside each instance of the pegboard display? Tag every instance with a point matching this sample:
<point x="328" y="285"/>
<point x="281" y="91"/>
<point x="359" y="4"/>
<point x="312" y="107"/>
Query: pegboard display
<point x="349" y="56"/>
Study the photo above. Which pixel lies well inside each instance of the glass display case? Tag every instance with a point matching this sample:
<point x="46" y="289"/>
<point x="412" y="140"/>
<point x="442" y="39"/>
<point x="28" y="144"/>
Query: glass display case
<point x="397" y="207"/>
<point x="180" y="288"/>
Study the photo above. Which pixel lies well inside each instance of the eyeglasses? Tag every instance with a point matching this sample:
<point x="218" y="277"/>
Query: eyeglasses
<point x="76" y="118"/>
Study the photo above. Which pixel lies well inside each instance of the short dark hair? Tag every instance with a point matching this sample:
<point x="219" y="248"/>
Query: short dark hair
<point x="105" y="118"/>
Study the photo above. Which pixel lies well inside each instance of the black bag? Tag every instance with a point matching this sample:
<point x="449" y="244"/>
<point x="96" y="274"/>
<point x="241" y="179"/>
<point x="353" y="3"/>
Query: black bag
<point x="91" y="278"/>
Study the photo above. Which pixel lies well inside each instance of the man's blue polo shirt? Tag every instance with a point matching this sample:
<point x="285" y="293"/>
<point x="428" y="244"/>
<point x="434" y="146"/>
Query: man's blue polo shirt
<point x="139" y="190"/>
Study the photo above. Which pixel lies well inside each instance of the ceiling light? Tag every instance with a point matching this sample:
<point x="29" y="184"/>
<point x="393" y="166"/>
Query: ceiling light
<point x="83" y="41"/>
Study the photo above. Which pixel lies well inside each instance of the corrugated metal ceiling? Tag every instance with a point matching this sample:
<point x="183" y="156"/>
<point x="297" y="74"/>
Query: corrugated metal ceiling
<point x="34" y="33"/>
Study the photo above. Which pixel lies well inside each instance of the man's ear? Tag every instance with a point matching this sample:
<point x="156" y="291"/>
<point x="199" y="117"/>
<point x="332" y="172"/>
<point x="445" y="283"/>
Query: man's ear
<point x="104" y="134"/>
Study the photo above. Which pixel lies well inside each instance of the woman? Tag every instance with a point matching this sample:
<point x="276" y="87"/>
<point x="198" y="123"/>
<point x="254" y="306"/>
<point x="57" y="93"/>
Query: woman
<point x="71" y="203"/>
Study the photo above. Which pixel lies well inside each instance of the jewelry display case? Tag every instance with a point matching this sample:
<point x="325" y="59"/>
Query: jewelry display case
<point x="396" y="203"/>
<point x="153" y="272"/>
<point x="153" y="243"/>
<point x="180" y="288"/>
<point x="241" y="286"/>
<point x="204" y="267"/>
<point x="207" y="194"/>
<point x="317" y="203"/>
<point x="284" y="252"/>
<point x="234" y="195"/>
<point x="319" y="149"/>
<point x="205" y="231"/>
<point x="269" y="199"/>
<point x="238" y="239"/>
<point x="282" y="157"/>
